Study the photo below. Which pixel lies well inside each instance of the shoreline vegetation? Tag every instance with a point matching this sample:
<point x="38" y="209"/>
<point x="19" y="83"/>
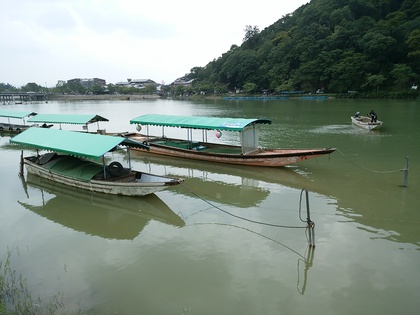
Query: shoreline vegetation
<point x="16" y="298"/>
<point x="136" y="97"/>
<point x="101" y="97"/>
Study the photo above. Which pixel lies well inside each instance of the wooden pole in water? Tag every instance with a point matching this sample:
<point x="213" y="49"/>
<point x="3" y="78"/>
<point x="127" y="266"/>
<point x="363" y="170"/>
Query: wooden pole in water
<point x="21" y="164"/>
<point x="406" y="172"/>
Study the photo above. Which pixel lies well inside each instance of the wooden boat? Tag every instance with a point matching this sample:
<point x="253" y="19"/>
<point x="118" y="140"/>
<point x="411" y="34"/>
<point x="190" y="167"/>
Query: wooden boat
<point x="72" y="119"/>
<point x="13" y="114"/>
<point x="248" y="153"/>
<point x="365" y="122"/>
<point x="70" y="162"/>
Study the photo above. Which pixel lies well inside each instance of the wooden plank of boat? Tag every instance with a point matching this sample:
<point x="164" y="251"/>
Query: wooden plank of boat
<point x="249" y="153"/>
<point x="366" y="122"/>
<point x="69" y="162"/>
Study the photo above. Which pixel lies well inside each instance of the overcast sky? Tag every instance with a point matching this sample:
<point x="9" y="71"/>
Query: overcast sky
<point x="44" y="41"/>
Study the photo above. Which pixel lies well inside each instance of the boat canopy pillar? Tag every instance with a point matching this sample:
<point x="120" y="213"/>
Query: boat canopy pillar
<point x="249" y="139"/>
<point x="104" y="166"/>
<point x="129" y="157"/>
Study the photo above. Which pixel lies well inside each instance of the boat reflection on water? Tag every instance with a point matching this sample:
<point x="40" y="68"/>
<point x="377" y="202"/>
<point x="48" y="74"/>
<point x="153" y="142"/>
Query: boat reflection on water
<point x="231" y="184"/>
<point x="243" y="196"/>
<point x="107" y="216"/>
<point x="210" y="182"/>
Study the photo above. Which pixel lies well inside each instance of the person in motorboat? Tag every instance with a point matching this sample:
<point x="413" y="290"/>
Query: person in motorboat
<point x="373" y="116"/>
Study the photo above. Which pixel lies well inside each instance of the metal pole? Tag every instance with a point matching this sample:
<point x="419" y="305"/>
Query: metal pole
<point x="104" y="166"/>
<point x="308" y="218"/>
<point x="406" y="172"/>
<point x="311" y="225"/>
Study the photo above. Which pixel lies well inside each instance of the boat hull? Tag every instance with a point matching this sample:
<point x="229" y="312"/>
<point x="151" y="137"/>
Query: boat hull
<point x="365" y="122"/>
<point x="14" y="128"/>
<point x="148" y="184"/>
<point x="260" y="157"/>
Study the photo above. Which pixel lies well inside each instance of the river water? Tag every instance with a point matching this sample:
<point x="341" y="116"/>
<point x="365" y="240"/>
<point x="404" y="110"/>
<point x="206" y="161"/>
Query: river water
<point x="230" y="240"/>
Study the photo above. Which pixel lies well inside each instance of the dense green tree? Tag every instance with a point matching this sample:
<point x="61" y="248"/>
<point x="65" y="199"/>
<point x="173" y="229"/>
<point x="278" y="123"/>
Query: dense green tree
<point x="112" y="88"/>
<point x="239" y="67"/>
<point x="32" y="87"/>
<point x="6" y="87"/>
<point x="413" y="43"/>
<point x="349" y="73"/>
<point x="335" y="45"/>
<point x="375" y="81"/>
<point x="251" y="40"/>
<point x="96" y="89"/>
<point x="249" y="88"/>
<point x="403" y="76"/>
<point x="75" y="88"/>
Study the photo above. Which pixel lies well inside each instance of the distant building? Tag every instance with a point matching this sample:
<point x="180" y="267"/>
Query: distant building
<point x="87" y="83"/>
<point x="183" y="81"/>
<point x="137" y="83"/>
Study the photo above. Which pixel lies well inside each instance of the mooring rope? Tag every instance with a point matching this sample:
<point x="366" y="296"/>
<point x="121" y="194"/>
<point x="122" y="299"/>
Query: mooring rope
<point x="242" y="218"/>
<point x="251" y="231"/>
<point x="300" y="206"/>
<point x="367" y="169"/>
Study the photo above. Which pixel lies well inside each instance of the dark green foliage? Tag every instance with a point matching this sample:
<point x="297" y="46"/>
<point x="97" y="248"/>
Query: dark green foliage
<point x="333" y="45"/>
<point x="6" y="87"/>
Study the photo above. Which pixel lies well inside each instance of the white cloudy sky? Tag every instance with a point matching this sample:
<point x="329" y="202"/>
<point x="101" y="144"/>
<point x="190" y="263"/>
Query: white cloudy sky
<point x="44" y="41"/>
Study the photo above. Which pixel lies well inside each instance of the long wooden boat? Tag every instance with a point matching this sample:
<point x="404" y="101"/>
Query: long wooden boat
<point x="71" y="119"/>
<point x="248" y="153"/>
<point x="71" y="162"/>
<point x="365" y="122"/>
<point x="11" y="126"/>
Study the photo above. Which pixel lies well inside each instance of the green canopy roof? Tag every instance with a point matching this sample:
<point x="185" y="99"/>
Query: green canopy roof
<point x="15" y="114"/>
<point x="71" y="142"/>
<point x="196" y="122"/>
<point x="76" y="119"/>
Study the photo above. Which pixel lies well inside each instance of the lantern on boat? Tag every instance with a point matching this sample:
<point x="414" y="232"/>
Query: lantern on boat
<point x="218" y="133"/>
<point x="138" y="127"/>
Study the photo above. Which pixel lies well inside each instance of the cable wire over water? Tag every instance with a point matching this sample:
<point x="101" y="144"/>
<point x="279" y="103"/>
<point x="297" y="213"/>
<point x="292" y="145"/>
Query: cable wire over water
<point x="242" y="218"/>
<point x="367" y="169"/>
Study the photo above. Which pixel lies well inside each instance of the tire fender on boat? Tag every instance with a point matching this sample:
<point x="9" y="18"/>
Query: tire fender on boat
<point x="115" y="169"/>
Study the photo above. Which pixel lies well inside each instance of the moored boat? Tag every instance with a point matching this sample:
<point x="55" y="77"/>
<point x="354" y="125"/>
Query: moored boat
<point x="11" y="126"/>
<point x="71" y="119"/>
<point x="71" y="162"/>
<point x="248" y="153"/>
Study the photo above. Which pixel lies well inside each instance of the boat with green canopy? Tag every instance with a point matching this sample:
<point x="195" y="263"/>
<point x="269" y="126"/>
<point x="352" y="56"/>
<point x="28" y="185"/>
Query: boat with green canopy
<point x="73" y="119"/>
<point x="78" y="159"/>
<point x="247" y="153"/>
<point x="14" y="114"/>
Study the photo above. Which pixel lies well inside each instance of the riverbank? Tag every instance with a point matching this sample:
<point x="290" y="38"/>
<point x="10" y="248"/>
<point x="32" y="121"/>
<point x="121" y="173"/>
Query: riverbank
<point x="102" y="97"/>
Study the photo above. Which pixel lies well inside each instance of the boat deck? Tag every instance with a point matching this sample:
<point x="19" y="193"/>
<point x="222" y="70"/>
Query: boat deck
<point x="198" y="147"/>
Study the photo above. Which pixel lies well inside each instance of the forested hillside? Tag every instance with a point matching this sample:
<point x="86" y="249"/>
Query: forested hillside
<point x="334" y="46"/>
